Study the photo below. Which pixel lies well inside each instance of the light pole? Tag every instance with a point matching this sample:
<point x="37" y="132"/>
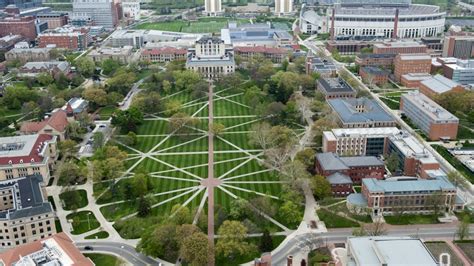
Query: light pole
<point x="88" y="220"/>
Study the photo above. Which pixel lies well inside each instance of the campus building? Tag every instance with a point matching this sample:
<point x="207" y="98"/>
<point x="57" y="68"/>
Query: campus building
<point x="54" y="125"/>
<point x="274" y="54"/>
<point x="436" y="122"/>
<point x="54" y="19"/>
<point x="461" y="72"/>
<point x="211" y="58"/>
<point x="54" y="68"/>
<point x="458" y="46"/>
<point x="101" y="12"/>
<point x="374" y="75"/>
<point x="325" y="68"/>
<point x="58" y="249"/>
<point x="439" y="84"/>
<point x="380" y="60"/>
<point x="358" y="141"/>
<point x="333" y="88"/>
<point x="406" y="195"/>
<point x="26" y="54"/>
<point x="23" y="26"/>
<point x="70" y="40"/>
<point x="399" y="47"/>
<point x="356" y="167"/>
<point x="131" y="9"/>
<point x="411" y="63"/>
<point x="312" y="23"/>
<point x="27" y="155"/>
<point x="123" y="55"/>
<point x="385" y="19"/>
<point x="25" y="213"/>
<point x="257" y="34"/>
<point x="361" y="112"/>
<point x="283" y="7"/>
<point x="413" y="80"/>
<point x="213" y="7"/>
<point x="163" y="54"/>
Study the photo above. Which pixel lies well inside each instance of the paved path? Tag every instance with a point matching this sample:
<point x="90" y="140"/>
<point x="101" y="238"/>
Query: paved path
<point x="461" y="255"/>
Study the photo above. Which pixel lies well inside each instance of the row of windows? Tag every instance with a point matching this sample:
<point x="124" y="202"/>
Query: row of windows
<point x="388" y="19"/>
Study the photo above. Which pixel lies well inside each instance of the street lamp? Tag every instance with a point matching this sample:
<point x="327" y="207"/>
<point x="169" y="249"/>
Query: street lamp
<point x="88" y="220"/>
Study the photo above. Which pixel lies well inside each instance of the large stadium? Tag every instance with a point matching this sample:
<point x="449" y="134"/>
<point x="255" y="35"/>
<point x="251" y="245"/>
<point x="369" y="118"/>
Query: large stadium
<point x="384" y="17"/>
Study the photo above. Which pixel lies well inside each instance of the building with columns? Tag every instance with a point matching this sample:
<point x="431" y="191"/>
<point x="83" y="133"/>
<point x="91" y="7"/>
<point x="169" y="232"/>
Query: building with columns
<point x="283" y="7"/>
<point x="213" y="8"/>
<point x="211" y="58"/>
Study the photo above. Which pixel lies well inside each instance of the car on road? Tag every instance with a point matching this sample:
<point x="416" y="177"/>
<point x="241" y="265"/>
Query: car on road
<point x="88" y="248"/>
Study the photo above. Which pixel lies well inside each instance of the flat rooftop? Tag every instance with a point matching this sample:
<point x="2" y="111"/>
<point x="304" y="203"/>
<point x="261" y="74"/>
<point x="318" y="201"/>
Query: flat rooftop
<point x="409" y="146"/>
<point x="398" y="44"/>
<point x="399" y="185"/>
<point x="365" y="132"/>
<point x="385" y="250"/>
<point x="416" y="76"/>
<point x="415" y="57"/>
<point x="359" y="110"/>
<point x="429" y="107"/>
<point x="440" y="84"/>
<point x="335" y="85"/>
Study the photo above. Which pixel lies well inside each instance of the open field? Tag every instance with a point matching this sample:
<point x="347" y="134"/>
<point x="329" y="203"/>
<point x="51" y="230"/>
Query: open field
<point x="203" y="25"/>
<point x="83" y="221"/>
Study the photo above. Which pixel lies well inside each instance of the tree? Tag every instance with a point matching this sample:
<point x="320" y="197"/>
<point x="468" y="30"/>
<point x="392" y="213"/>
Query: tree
<point x="85" y="66"/>
<point x="128" y="120"/>
<point x="121" y="81"/>
<point x="148" y="102"/>
<point x="238" y="209"/>
<point x="195" y="249"/>
<point x="109" y="66"/>
<point x="96" y="96"/>
<point x="179" y="123"/>
<point x="172" y="107"/>
<point x="185" y="79"/>
<point x="266" y="242"/>
<point x="231" y="81"/>
<point x="199" y="89"/>
<point x="160" y="242"/>
<point x="217" y="129"/>
<point x="306" y="156"/>
<point x="185" y="230"/>
<point x="321" y="187"/>
<point x="68" y="173"/>
<point x="140" y="184"/>
<point x="231" y="242"/>
<point x="99" y="140"/>
<point x="67" y="147"/>
<point x="131" y="138"/>
<point x="290" y="213"/>
<point x="181" y="215"/>
<point x="144" y="207"/>
<point x="30" y="109"/>
<point x="457" y="179"/>
<point x="392" y="162"/>
<point x="285" y="83"/>
<point x="254" y="96"/>
<point x="44" y="78"/>
<point x="376" y="228"/>
<point x="435" y="202"/>
<point x="14" y="97"/>
<point x="463" y="228"/>
<point x="260" y="135"/>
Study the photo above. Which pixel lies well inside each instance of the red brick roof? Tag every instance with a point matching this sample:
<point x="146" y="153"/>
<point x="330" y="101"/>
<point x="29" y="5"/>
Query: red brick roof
<point x="58" y="121"/>
<point x="13" y="255"/>
<point x="34" y="153"/>
<point x="164" y="50"/>
<point x="260" y="49"/>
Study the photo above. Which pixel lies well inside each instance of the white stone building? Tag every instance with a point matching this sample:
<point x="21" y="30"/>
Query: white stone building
<point x="211" y="58"/>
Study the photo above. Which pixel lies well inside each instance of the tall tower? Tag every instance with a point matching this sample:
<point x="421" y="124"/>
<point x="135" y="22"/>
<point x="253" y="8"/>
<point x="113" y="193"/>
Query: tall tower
<point x="283" y="7"/>
<point x="212" y="7"/>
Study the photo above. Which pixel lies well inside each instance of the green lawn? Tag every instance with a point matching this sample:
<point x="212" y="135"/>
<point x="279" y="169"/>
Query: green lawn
<point x="411" y="219"/>
<point x="335" y="221"/>
<point x="454" y="162"/>
<point x="83" y="221"/>
<point x="106" y="112"/>
<point x="73" y="199"/>
<point x="468" y="247"/>
<point x="437" y="248"/>
<point x="104" y="259"/>
<point x="203" y="25"/>
<point x="166" y="26"/>
<point x="99" y="235"/>
<point x="59" y="227"/>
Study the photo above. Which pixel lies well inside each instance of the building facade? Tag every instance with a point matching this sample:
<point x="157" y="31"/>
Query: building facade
<point x="25" y="213"/>
<point x="211" y="58"/>
<point x="28" y="54"/>
<point x="75" y="40"/>
<point x="164" y="54"/>
<point x="101" y="12"/>
<point x="436" y="122"/>
<point x="333" y="88"/>
<point x="123" y="55"/>
<point x="374" y="75"/>
<point x="283" y="7"/>
<point x="411" y="63"/>
<point x="54" y="20"/>
<point x="413" y="80"/>
<point x="276" y="55"/>
<point x="458" y="46"/>
<point x="399" y="47"/>
<point x="461" y="72"/>
<point x="131" y="9"/>
<point x="27" y="155"/>
<point x="380" y="60"/>
<point x="439" y="84"/>
<point x="55" y="125"/>
<point x="213" y="7"/>
<point x="23" y="26"/>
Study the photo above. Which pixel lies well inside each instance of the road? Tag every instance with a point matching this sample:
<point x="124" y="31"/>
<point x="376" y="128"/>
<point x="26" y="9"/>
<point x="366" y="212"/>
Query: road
<point x="312" y="241"/>
<point x="127" y="101"/>
<point x="126" y="252"/>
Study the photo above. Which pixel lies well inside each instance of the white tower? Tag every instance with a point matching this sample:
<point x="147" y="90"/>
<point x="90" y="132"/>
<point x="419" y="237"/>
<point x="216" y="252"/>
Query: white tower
<point x="283" y="7"/>
<point x="212" y="7"/>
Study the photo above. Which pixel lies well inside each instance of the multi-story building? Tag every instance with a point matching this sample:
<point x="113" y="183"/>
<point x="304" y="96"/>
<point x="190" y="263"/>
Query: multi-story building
<point x="385" y="19"/>
<point x="211" y="58"/>
<point x="20" y="3"/>
<point x="439" y="84"/>
<point x="27" y="155"/>
<point x="413" y="80"/>
<point x="74" y="40"/>
<point x="275" y="54"/>
<point x="54" y="125"/>
<point x="124" y="55"/>
<point x="163" y="54"/>
<point x="436" y="122"/>
<point x="325" y="68"/>
<point x="283" y="7"/>
<point x="131" y="9"/>
<point x="57" y="249"/>
<point x="434" y="45"/>
<point x="348" y="47"/>
<point x="312" y="23"/>
<point x="411" y="63"/>
<point x="358" y="141"/>
<point x="23" y="26"/>
<point x="374" y="75"/>
<point x="356" y="167"/>
<point x="28" y="54"/>
<point x="333" y="88"/>
<point x="257" y="34"/>
<point x="405" y="195"/>
<point x="461" y="72"/>
<point x="380" y="60"/>
<point x="25" y="213"/>
<point x="102" y="12"/>
<point x="8" y="42"/>
<point x="33" y="69"/>
<point x="399" y="47"/>
<point x="361" y="112"/>
<point x="458" y="46"/>
<point x="413" y="158"/>
<point x="213" y="7"/>
<point x="54" y="20"/>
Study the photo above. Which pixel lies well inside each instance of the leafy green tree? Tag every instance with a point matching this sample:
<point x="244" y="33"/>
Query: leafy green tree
<point x="128" y="120"/>
<point x="109" y="66"/>
<point x="144" y="207"/>
<point x="307" y="157"/>
<point x="457" y="179"/>
<point x="231" y="242"/>
<point x="254" y="96"/>
<point x="179" y="123"/>
<point x="44" y="78"/>
<point x="463" y="228"/>
<point x="62" y="82"/>
<point x="85" y="66"/>
<point x="186" y="78"/>
<point x="68" y="173"/>
<point x="217" y="129"/>
<point x="289" y="212"/>
<point x="172" y="107"/>
<point x="131" y="138"/>
<point x="392" y="162"/>
<point x="149" y="102"/>
<point x="140" y="184"/>
<point x="121" y="81"/>
<point x="166" y="85"/>
<point x="99" y="140"/>
<point x="185" y="230"/>
<point x="160" y="242"/>
<point x="195" y="249"/>
<point x="238" y="209"/>
<point x="96" y="96"/>
<point x="200" y="89"/>
<point x="182" y="215"/>
<point x="266" y="242"/>
<point x="14" y="97"/>
<point x="321" y="187"/>
<point x="67" y="147"/>
<point x="285" y="83"/>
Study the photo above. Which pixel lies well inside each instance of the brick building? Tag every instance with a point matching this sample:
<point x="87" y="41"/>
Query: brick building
<point x="335" y="88"/>
<point x="348" y="46"/>
<point x="439" y="84"/>
<point x="458" y="46"/>
<point x="55" y="125"/>
<point x="325" y="68"/>
<point x="413" y="80"/>
<point x="411" y="63"/>
<point x="164" y="54"/>
<point x="54" y="20"/>
<point x="374" y="75"/>
<point x="361" y="112"/>
<point x="381" y="60"/>
<point x="356" y="167"/>
<point x="275" y="54"/>
<point x="28" y="54"/>
<point x="341" y="184"/>
<point x="75" y="40"/>
<point x="399" y="47"/>
<point x="436" y="122"/>
<point x="23" y="26"/>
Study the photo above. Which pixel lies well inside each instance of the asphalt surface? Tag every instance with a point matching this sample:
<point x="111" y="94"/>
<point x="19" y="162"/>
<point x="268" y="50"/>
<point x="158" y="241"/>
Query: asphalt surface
<point x="126" y="252"/>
